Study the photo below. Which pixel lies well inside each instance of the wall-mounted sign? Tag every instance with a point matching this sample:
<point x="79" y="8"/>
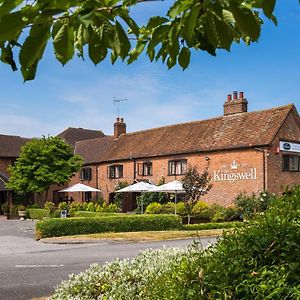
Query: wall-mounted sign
<point x="231" y="177"/>
<point x="290" y="147"/>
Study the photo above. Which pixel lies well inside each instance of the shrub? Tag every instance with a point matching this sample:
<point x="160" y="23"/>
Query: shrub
<point x="123" y="223"/>
<point x="168" y="208"/>
<point x="5" y="207"/>
<point x="20" y="207"/>
<point x="90" y="214"/>
<point x="212" y="225"/>
<point x="139" y="278"/>
<point x="50" y="206"/>
<point x="63" y="206"/>
<point x="37" y="213"/>
<point x="90" y="207"/>
<point x="199" y="207"/>
<point x="154" y="208"/>
<point x="181" y="209"/>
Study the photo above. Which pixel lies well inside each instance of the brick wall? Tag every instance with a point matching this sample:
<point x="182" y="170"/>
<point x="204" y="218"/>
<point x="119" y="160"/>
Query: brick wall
<point x="278" y="179"/>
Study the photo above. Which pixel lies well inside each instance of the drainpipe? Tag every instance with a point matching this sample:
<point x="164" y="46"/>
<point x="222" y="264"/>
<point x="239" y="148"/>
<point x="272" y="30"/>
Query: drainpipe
<point x="265" y="155"/>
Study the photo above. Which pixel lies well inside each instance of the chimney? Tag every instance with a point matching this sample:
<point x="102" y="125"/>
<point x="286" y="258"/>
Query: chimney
<point x="236" y="104"/>
<point x="119" y="127"/>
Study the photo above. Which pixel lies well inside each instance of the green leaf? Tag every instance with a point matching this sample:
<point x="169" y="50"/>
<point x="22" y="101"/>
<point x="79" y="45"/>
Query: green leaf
<point x="268" y="7"/>
<point x="34" y="45"/>
<point x="97" y="48"/>
<point x="130" y="22"/>
<point x="184" y="57"/>
<point x="122" y="44"/>
<point x="246" y="21"/>
<point x="63" y="42"/>
<point x="136" y="51"/>
<point x="7" y="57"/>
<point x="11" y="26"/>
<point x="156" y="21"/>
<point x="171" y="62"/>
<point x="29" y="72"/>
<point x="9" y="5"/>
<point x="158" y="36"/>
<point x="190" y="24"/>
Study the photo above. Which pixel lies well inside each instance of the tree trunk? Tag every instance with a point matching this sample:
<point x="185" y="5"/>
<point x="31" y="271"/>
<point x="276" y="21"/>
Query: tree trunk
<point x="189" y="218"/>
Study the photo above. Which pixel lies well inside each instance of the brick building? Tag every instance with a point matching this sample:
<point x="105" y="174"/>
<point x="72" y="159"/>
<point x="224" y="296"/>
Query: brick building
<point x="245" y="151"/>
<point x="10" y="147"/>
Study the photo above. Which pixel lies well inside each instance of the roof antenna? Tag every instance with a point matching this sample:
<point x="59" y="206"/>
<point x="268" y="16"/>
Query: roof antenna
<point x="117" y="102"/>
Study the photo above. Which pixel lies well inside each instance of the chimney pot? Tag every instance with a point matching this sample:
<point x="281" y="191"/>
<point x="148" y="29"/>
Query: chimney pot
<point x="229" y="98"/>
<point x="122" y="120"/>
<point x="241" y="95"/>
<point x="235" y="94"/>
<point x="118" y="119"/>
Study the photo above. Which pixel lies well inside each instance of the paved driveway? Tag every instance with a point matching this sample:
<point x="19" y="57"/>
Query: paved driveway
<point x="31" y="269"/>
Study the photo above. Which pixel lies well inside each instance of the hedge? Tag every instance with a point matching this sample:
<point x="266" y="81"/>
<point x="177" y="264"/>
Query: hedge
<point x="91" y="214"/>
<point x="123" y="223"/>
<point x="40" y="213"/>
<point x="212" y="225"/>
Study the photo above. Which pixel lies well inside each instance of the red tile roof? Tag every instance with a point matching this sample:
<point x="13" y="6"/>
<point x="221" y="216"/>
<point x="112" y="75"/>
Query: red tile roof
<point x="72" y="135"/>
<point x="10" y="145"/>
<point x="226" y="132"/>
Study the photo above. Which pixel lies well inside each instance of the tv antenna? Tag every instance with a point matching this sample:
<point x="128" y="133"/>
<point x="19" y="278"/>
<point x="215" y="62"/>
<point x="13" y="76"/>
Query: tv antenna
<point x="117" y="102"/>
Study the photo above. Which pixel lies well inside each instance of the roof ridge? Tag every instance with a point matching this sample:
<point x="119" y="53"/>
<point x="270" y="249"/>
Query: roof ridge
<point x="206" y="120"/>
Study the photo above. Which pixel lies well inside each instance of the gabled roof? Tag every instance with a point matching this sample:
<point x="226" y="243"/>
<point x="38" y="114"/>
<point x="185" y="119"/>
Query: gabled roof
<point x="240" y="130"/>
<point x="72" y="135"/>
<point x="10" y="145"/>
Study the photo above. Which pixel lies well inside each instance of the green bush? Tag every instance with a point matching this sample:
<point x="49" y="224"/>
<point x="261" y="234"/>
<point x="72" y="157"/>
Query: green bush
<point x="181" y="209"/>
<point x="199" y="208"/>
<point x="37" y="213"/>
<point x="123" y="223"/>
<point x="212" y="225"/>
<point x="20" y="207"/>
<point x="63" y="206"/>
<point x="90" y="214"/>
<point x="5" y="207"/>
<point x="91" y="207"/>
<point x="168" y="208"/>
<point x="50" y="206"/>
<point x="154" y="208"/>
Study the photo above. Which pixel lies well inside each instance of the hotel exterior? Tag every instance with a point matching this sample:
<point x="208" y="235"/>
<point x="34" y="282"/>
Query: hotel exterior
<point x="244" y="151"/>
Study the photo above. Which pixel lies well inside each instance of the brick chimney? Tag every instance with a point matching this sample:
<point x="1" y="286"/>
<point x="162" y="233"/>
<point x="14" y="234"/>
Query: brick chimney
<point x="119" y="127"/>
<point x="235" y="104"/>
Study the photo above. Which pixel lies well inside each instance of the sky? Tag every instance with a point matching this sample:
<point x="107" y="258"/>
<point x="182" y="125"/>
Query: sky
<point x="81" y="95"/>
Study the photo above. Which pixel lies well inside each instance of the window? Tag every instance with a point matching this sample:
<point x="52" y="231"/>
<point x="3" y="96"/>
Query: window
<point x="290" y="163"/>
<point x="177" y="167"/>
<point x="86" y="174"/>
<point x="87" y="196"/>
<point x="145" y="169"/>
<point x="115" y="171"/>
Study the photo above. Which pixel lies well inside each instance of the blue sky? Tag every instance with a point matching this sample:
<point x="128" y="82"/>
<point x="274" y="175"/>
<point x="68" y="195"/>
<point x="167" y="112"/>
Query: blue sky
<point x="81" y="95"/>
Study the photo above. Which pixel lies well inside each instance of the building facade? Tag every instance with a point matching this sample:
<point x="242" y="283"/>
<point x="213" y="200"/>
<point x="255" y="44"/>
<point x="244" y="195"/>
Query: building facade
<point x="243" y="150"/>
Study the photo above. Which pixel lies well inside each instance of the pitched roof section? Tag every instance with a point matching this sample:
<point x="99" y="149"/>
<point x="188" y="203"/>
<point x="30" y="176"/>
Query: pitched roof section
<point x="72" y="135"/>
<point x="10" y="145"/>
<point x="3" y="181"/>
<point x="226" y="132"/>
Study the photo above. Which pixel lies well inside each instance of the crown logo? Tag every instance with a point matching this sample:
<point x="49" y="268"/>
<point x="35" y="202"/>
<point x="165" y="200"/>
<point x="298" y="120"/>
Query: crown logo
<point x="234" y="165"/>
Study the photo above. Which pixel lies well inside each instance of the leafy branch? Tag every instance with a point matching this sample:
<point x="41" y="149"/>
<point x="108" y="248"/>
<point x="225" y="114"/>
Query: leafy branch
<point x="105" y="28"/>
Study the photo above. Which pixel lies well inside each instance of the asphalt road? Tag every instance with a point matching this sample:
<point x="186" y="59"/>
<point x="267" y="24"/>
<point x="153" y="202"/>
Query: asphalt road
<point x="30" y="269"/>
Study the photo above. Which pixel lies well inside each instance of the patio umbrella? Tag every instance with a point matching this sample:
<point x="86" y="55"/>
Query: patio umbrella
<point x="139" y="187"/>
<point x="171" y="187"/>
<point x="79" y="187"/>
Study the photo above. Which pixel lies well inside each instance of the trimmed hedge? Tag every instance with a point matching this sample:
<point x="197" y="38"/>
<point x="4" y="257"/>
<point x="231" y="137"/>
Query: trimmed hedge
<point x="212" y="225"/>
<point x="123" y="223"/>
<point x="90" y="214"/>
<point x="40" y="213"/>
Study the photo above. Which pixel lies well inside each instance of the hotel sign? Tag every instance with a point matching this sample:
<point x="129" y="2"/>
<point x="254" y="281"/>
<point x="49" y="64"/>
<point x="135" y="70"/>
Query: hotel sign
<point x="290" y="147"/>
<point x="234" y="176"/>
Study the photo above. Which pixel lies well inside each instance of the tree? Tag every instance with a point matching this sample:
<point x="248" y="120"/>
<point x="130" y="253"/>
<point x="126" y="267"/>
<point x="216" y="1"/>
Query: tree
<point x="195" y="185"/>
<point x="106" y="29"/>
<point x="43" y="162"/>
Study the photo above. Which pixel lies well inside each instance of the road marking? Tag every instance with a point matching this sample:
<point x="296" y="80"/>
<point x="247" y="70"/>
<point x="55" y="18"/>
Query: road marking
<point x="39" y="266"/>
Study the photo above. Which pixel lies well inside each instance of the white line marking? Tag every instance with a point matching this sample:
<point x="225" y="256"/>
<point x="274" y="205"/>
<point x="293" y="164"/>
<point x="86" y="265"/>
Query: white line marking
<point x="39" y="266"/>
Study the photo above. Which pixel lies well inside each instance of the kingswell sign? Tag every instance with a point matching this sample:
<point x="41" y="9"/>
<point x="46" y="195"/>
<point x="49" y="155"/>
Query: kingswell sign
<point x="234" y="176"/>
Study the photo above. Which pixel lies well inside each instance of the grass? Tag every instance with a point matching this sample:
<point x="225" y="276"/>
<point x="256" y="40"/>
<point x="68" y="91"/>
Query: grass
<point x="140" y="236"/>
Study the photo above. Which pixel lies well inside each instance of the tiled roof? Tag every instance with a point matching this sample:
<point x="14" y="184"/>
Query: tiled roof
<point x="73" y="135"/>
<point x="226" y="132"/>
<point x="10" y="145"/>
